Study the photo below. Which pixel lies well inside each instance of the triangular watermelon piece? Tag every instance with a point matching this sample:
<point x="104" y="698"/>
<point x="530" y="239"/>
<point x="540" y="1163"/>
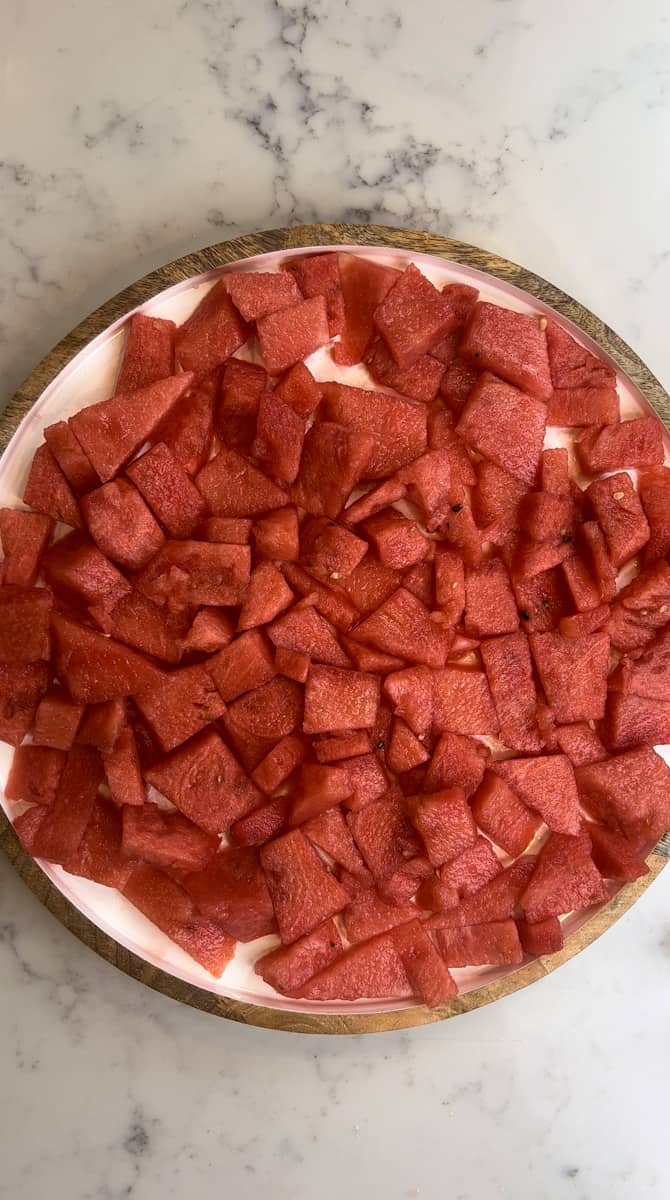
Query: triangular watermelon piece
<point x="425" y="968"/>
<point x="188" y="431"/>
<point x="565" y="878"/>
<point x="370" y="969"/>
<point x="306" y="631"/>
<point x="364" y="286"/>
<point x="148" y="354"/>
<point x="257" y="293"/>
<point x="496" y="901"/>
<point x="488" y="944"/>
<point x="48" y="491"/>
<point x="573" y="671"/>
<point x="212" y="333"/>
<point x="267" y="595"/>
<point x="70" y="457"/>
<point x="629" y="792"/>
<point x="290" y="968"/>
<point x="402" y="626"/>
<point x="572" y="365"/>
<point x="334" y="458"/>
<point x="398" y="427"/>
<point x="233" y="487"/>
<point x="232" y="891"/>
<point x="546" y="785"/>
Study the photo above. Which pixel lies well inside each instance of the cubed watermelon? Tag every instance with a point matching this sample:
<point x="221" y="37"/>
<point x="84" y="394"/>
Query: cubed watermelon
<point x="277" y="537"/>
<point x="367" y="777"/>
<point x="540" y="937"/>
<point x="571" y="364"/>
<point x="320" y="786"/>
<point x="497" y="496"/>
<point x="329" y="550"/>
<point x="280" y="433"/>
<point x="420" y="381"/>
<point x="509" y="671"/>
<point x="457" y="383"/>
<point x="337" y="700"/>
<point x="462" y="702"/>
<point x="397" y="540"/>
<point x="635" y="720"/>
<point x="573" y="672"/>
<point x="264" y="823"/>
<point x="319" y="275"/>
<point x="580" y="743"/>
<point x="374" y="501"/>
<point x="449" y="583"/>
<point x="490" y="607"/>
<point x="281" y="761"/>
<point x="413" y="317"/>
<point x="614" y="856"/>
<point x="397" y="427"/>
<point x="583" y="406"/>
<point x="546" y="785"/>
<point x="330" y="832"/>
<point x="442" y="436"/>
<point x="299" y="389"/>
<point x="209" y="631"/>
<point x="122" y="525"/>
<point x="101" y="724"/>
<point x="140" y="623"/>
<point x="402" y="626"/>
<point x="583" y="588"/>
<point x="594" y="546"/>
<point x="236" y="531"/>
<point x="471" y="869"/>
<point x="48" y="491"/>
<point x="445" y="823"/>
<point x="269" y="712"/>
<point x="369" y="584"/>
<point x="502" y="816"/>
<point x="369" y="969"/>
<point x="364" y="286"/>
<point x="290" y="334"/>
<point x="305" y="630"/>
<point x="583" y="623"/>
<point x="24" y="624"/>
<point x="564" y="878"/>
<point x="169" y="906"/>
<point x="511" y="345"/>
<point x="149" y="352"/>
<point x="347" y="745"/>
<point x="99" y="855"/>
<point x="647" y="673"/>
<point x="180" y="704"/>
<point x="425" y="969"/>
<point x="505" y="426"/>
<point x="292" y="664"/>
<point x="166" y="839"/>
<point x="25" y="537"/>
<point x="429" y="485"/>
<point x="369" y="915"/>
<point x="411" y="693"/>
<point x="555" y="471"/>
<point x="268" y="594"/>
<point x="384" y="837"/>
<point x="367" y="658"/>
<point x="95" y="668"/>
<point x="185" y="574"/>
<point x="496" y="901"/>
<point x="641" y="608"/>
<point x="34" y="774"/>
<point x="61" y="831"/>
<point x="70" y="457"/>
<point x="257" y="293"/>
<point x="654" y="487"/>
<point x="231" y="890"/>
<point x="457" y="761"/>
<point x="636" y="443"/>
<point x="629" y="792"/>
<point x="212" y="333"/>
<point x="123" y="770"/>
<point x="233" y="487"/>
<point x="303" y="893"/>
<point x="290" y="968"/>
<point x="168" y="490"/>
<point x="334" y="458"/>
<point x="57" y="720"/>
<point x="405" y="750"/>
<point x="545" y="517"/>
<point x="491" y="943"/>
<point x="188" y="431"/>
<point x="542" y="600"/>
<point x="332" y="605"/>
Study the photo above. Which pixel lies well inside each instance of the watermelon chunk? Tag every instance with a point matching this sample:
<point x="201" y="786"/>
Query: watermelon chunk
<point x="291" y="334"/>
<point x="329" y="550"/>
<point x="305" y="630"/>
<point x="397" y="540"/>
<point x="509" y="671"/>
<point x="490" y="607"/>
<point x="267" y="595"/>
<point x="70" y="457"/>
<point x="636" y="443"/>
<point x="231" y="890"/>
<point x="180" y="704"/>
<point x="139" y="622"/>
<point x="402" y="626"/>
<point x="497" y="496"/>
<point x="491" y="943"/>
<point x="369" y="915"/>
<point x="572" y="365"/>
<point x="364" y="286"/>
<point x="168" y="490"/>
<point x="366" y="658"/>
<point x="614" y="856"/>
<point x="57" y="721"/>
<point x="501" y="815"/>
<point x="554" y="471"/>
<point x="299" y="389"/>
<point x="290" y="968"/>
<point x="111" y="431"/>
<point x="449" y="583"/>
<point x="257" y="293"/>
<point x="496" y="901"/>
<point x="348" y="745"/>
<point x="429" y="485"/>
<point x="413" y="317"/>
<point x="641" y="608"/>
<point x="233" y="487"/>
<point x="442" y="436"/>
<point x="535" y="558"/>
<point x="271" y="711"/>
<point x="546" y="785"/>
<point x="148" y="354"/>
<point x="425" y="969"/>
<point x="292" y="664"/>
<point x="629" y="792"/>
<point x="397" y="427"/>
<point x="81" y="575"/>
<point x="24" y="624"/>
<point x="212" y="333"/>
<point x="25" y="537"/>
<point x="462" y="702"/>
<point x="280" y="433"/>
<point x="34" y="774"/>
<point x="544" y="517"/>
<point x="593" y="541"/>
<point x="303" y="893"/>
<point x="540" y="937"/>
<point x="99" y="855"/>
<point x="165" y="839"/>
<point x="264" y="823"/>
<point x="636" y="720"/>
<point x="543" y="600"/>
<point x="123" y="770"/>
<point x="96" y="668"/>
<point x="445" y="823"/>
<point x="188" y="430"/>
<point x="369" y="584"/>
<point x="580" y="743"/>
<point x="384" y="837"/>
<point x="319" y="275"/>
<point x="457" y="761"/>
<point x="573" y="672"/>
<point x="420" y="381"/>
<point x="654" y="488"/>
<point x="472" y="869"/>
<point x="186" y="574"/>
<point x="511" y="345"/>
<point x="281" y="761"/>
<point x="647" y="674"/>
<point x="330" y="832"/>
<point x="505" y="426"/>
<point x="370" y="969"/>
<point x="235" y="531"/>
<point x="565" y="878"/>
<point x="583" y="406"/>
<point x="583" y="623"/>
<point x="319" y="787"/>
<point x="334" y="606"/>
<point x="334" y="458"/>
<point x="101" y="724"/>
<point x="61" y="831"/>
<point x="405" y="750"/>
<point x="367" y="778"/>
<point x="435" y="896"/>
<point x="122" y="525"/>
<point x="169" y="906"/>
<point x="48" y="491"/>
<point x="276" y="536"/>
<point x="210" y="631"/>
<point x="337" y="700"/>
<point x="583" y="587"/>
<point x="374" y="501"/>
<point x="457" y="383"/>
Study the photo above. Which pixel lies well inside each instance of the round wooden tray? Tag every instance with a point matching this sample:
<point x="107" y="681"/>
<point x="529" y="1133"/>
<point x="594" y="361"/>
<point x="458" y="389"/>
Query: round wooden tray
<point x="142" y="291"/>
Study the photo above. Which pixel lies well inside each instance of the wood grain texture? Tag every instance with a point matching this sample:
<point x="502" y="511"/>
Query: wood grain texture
<point x="138" y="293"/>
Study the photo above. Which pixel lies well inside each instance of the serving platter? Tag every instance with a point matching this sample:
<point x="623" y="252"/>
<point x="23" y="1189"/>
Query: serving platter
<point x="79" y="371"/>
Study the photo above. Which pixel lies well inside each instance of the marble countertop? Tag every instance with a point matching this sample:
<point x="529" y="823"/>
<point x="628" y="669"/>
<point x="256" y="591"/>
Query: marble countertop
<point x="131" y="133"/>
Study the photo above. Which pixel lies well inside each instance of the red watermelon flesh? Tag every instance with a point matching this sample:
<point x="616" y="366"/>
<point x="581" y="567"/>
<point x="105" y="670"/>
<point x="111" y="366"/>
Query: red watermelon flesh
<point x="583" y="406"/>
<point x="555" y="471"/>
<point x="82" y="576"/>
<point x="165" y="839"/>
<point x="329" y="550"/>
<point x="636" y="720"/>
<point x="280" y="433"/>
<point x="445" y="823"/>
<point x="299" y="389"/>
<point x="593" y="539"/>
<point x="123" y="770"/>
<point x="231" y="890"/>
<point x="61" y="831"/>
<point x="369" y="915"/>
<point x="384" y="837"/>
<point x="232" y="487"/>
<point x="546" y="785"/>
<point x="320" y="786"/>
<point x="573" y="672"/>
<point x="264" y="823"/>
<point x="364" y="286"/>
<point x="457" y="761"/>
<point x="280" y="763"/>
<point x="330" y="832"/>
<point x="101" y="724"/>
<point x="149" y="352"/>
<point x="583" y="587"/>
<point x="111" y="431"/>
<point x="501" y="815"/>
<point x="70" y="457"/>
<point x="397" y="540"/>
<point x="334" y="606"/>
<point x="188" y="431"/>
<point x="442" y="436"/>
<point x="212" y="333"/>
<point x="425" y="969"/>
<point x="583" y="623"/>
<point x="497" y="496"/>
<point x="405" y="750"/>
<point x="449" y="583"/>
<point x="122" y="525"/>
<point x="540" y="937"/>
<point x="257" y="293"/>
<point x="347" y="745"/>
<point x="96" y="668"/>
<point x="636" y="443"/>
<point x="648" y="673"/>
<point x="511" y="345"/>
<point x="492" y="943"/>
<point x="397" y="427"/>
<point x="369" y="584"/>
<point x="236" y="531"/>
<point x="139" y="622"/>
<point x="420" y="381"/>
<point x="472" y="869"/>
<point x="654" y="488"/>
<point x="462" y="299"/>
<point x="374" y="501"/>
<point x="25" y="537"/>
<point x="334" y="458"/>
<point x="168" y="490"/>
<point x="370" y="969"/>
<point x="614" y="856"/>
<point x="338" y="700"/>
<point x="402" y="626"/>
<point x="210" y="631"/>
<point x="168" y="905"/>
<point x="290" y="968"/>
<point x="366" y="658"/>
<point x="35" y="774"/>
<point x="509" y="671"/>
<point x="48" y="491"/>
<point x="290" y="334"/>
<point x="180" y="704"/>
<point x="303" y="893"/>
<point x="319" y="275"/>
<point x="641" y="608"/>
<point x="305" y="630"/>
<point x="544" y="517"/>
<point x="565" y="878"/>
<point x="580" y="743"/>
<point x="496" y="901"/>
<point x="428" y="481"/>
<point x="436" y="897"/>
<point x="276" y="536"/>
<point x="413" y="317"/>
<point x="629" y="792"/>
<point x="418" y="580"/>
<point x="457" y="383"/>
<point x="56" y="721"/>
<point x="367" y="778"/>
<point x="462" y="702"/>
<point x="186" y="574"/>
<point x="292" y="664"/>
<point x="269" y="712"/>
<point x="24" y="624"/>
<point x="504" y="425"/>
<point x="490" y="607"/>
<point x="573" y="366"/>
<point x="534" y="558"/>
<point x="267" y="595"/>
<point x="543" y="600"/>
<point x="99" y="855"/>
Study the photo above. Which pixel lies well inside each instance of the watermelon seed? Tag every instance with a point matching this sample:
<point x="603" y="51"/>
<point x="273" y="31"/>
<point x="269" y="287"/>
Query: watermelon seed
<point x="524" y="615"/>
<point x="617" y="495"/>
<point x="381" y="745"/>
<point x="456" y="508"/>
<point x="663" y="608"/>
<point x="543" y="323"/>
<point x="335" y="575"/>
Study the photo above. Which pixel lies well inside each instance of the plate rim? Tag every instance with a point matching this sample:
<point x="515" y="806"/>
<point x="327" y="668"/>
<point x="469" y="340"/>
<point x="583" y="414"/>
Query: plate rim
<point x="211" y="258"/>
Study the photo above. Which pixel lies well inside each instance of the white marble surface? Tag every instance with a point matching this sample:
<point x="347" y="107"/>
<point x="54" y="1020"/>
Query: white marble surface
<point x="131" y="132"/>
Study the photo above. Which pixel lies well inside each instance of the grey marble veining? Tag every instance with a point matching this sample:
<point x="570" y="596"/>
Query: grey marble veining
<point x="131" y="133"/>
